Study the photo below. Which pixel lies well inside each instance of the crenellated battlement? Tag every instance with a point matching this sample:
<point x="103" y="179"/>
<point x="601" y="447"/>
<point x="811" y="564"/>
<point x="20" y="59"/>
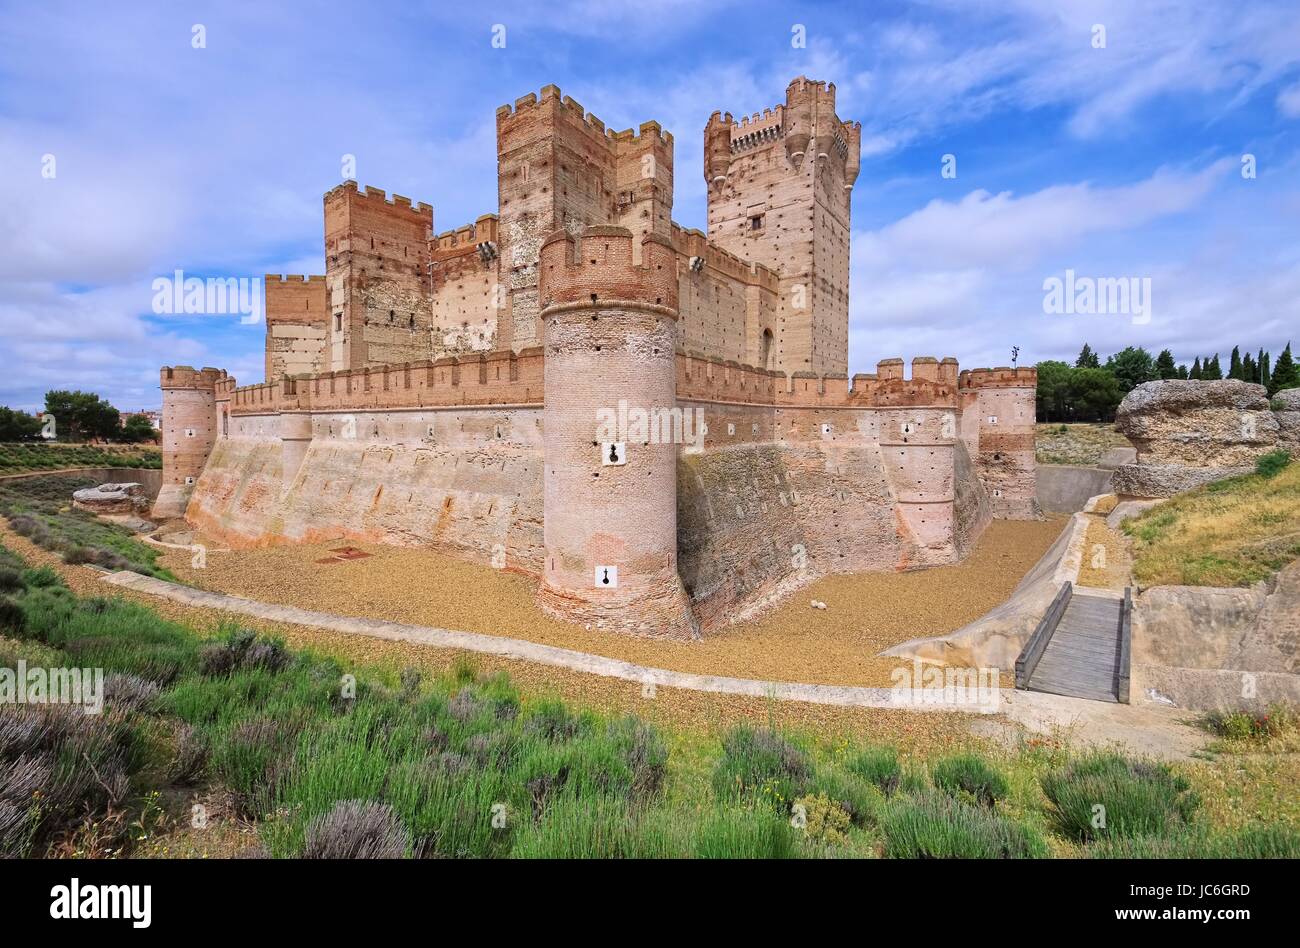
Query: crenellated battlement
<point x="482" y="230"/>
<point x="379" y="199"/>
<point x="1001" y="377"/>
<point x="550" y="96"/>
<point x="188" y="377"/>
<point x="292" y="278"/>
<point x="692" y="242"/>
<point x="599" y="267"/>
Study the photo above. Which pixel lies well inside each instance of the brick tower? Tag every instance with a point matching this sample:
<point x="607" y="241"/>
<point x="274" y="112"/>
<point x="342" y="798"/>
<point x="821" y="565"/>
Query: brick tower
<point x="559" y="168"/>
<point x="377" y="279"/>
<point x="998" y="414"/>
<point x="189" y="429"/>
<point x="610" y="503"/>
<point x="779" y="187"/>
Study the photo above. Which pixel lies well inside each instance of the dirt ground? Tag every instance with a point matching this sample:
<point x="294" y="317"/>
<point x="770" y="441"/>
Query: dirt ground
<point x="865" y="613"/>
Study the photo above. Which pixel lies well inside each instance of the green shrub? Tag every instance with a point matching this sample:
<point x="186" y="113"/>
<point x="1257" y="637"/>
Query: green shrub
<point x="936" y="826"/>
<point x="1103" y="795"/>
<point x="969" y="773"/>
<point x="862" y="801"/>
<point x="878" y="765"/>
<point x="13" y="619"/>
<point x="11" y="579"/>
<point x="1255" y="842"/>
<point x="1279" y="719"/>
<point x="731" y="833"/>
<point x="824" y="820"/>
<point x="761" y="765"/>
<point x="1272" y="464"/>
<point x="41" y="578"/>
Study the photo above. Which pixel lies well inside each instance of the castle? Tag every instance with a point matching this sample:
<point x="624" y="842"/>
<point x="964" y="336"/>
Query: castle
<point x="655" y="423"/>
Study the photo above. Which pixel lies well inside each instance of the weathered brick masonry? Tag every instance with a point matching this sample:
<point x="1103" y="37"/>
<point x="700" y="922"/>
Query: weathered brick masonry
<point x="456" y="390"/>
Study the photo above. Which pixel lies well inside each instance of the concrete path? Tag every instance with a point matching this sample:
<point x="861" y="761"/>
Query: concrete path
<point x="1147" y="729"/>
<point x="519" y="649"/>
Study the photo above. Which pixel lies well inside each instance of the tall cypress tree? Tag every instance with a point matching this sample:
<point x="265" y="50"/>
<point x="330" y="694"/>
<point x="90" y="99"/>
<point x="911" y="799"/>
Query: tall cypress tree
<point x="1196" y="369"/>
<point x="1182" y="371"/>
<point x="1213" y="372"/>
<point x="1249" y="370"/>
<point x="1265" y="376"/>
<point x="1285" y="372"/>
<point x="1234" y="363"/>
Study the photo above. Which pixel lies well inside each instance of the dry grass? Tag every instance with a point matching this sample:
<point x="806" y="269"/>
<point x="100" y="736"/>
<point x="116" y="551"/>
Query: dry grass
<point x="1229" y="533"/>
<point x="1105" y="557"/>
<point x="1076" y="444"/>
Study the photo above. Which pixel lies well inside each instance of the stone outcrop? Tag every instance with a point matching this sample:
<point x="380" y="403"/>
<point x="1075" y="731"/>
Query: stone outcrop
<point x="128" y="499"/>
<point x="1205" y="647"/>
<point x="1189" y="433"/>
<point x="1286" y="409"/>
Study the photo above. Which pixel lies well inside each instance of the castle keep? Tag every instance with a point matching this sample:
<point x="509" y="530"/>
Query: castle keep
<point x="655" y="423"/>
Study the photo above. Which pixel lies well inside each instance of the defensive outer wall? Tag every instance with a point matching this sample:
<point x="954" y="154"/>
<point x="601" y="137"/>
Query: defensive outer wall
<point x="744" y="484"/>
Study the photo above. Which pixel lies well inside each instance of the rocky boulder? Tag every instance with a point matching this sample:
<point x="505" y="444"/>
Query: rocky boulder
<point x="1224" y="424"/>
<point x="127" y="499"/>
<point x="1286" y="409"/>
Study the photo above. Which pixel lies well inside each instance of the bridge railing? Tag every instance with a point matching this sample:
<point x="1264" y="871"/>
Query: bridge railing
<point x="1037" y="643"/>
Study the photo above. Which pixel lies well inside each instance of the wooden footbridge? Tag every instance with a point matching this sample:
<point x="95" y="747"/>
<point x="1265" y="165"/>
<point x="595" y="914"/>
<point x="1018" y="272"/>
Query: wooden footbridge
<point x="1080" y="648"/>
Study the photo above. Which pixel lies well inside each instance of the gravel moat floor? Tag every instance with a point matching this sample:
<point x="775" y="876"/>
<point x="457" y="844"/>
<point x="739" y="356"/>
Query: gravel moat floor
<point x="865" y="613"/>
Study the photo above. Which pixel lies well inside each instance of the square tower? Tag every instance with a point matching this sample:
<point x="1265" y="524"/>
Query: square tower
<point x="779" y="188"/>
<point x="559" y="168"/>
<point x="377" y="278"/>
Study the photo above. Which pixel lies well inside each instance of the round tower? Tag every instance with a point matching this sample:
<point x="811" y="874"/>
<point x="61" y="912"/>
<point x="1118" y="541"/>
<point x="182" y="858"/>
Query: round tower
<point x="610" y="464"/>
<point x="189" y="429"/>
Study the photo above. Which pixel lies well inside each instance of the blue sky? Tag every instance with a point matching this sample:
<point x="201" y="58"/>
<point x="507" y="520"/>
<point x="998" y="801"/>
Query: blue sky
<point x="1121" y="161"/>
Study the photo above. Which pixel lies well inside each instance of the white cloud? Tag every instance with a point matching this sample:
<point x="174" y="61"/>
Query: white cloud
<point x="1288" y="101"/>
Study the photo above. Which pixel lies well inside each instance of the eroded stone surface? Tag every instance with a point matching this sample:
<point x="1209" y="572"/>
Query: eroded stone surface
<point x="124" y="498"/>
<point x="1221" y="424"/>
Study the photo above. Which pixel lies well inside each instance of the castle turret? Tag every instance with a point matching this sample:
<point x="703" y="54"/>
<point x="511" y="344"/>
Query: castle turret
<point x="998" y="415"/>
<point x="779" y="188"/>
<point x="609" y="478"/>
<point x="189" y="430"/>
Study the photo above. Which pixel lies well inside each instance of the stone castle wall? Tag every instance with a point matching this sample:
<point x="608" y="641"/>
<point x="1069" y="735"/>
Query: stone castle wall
<point x="767" y="481"/>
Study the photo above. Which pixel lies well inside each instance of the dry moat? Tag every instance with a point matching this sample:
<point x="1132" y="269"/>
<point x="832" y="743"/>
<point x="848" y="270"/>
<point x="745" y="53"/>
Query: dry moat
<point x="865" y="612"/>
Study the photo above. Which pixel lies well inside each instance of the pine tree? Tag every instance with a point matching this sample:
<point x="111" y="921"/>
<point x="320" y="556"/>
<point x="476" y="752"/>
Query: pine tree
<point x="1285" y="373"/>
<point x="1182" y="371"/>
<point x="1165" y="367"/>
<point x="1213" y="372"/>
<point x="1087" y="358"/>
<point x="1196" y="369"/>
<point x="1234" y="363"/>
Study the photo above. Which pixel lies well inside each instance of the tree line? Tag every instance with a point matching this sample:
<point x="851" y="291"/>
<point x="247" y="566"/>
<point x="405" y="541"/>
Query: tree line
<point x="78" y="416"/>
<point x="1091" y="390"/>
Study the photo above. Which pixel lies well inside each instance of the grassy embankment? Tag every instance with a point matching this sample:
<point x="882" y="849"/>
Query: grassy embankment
<point x="1233" y="532"/>
<point x="44" y="456"/>
<point x="1076" y="443"/>
<point x="315" y="762"/>
<point x="41" y="510"/>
